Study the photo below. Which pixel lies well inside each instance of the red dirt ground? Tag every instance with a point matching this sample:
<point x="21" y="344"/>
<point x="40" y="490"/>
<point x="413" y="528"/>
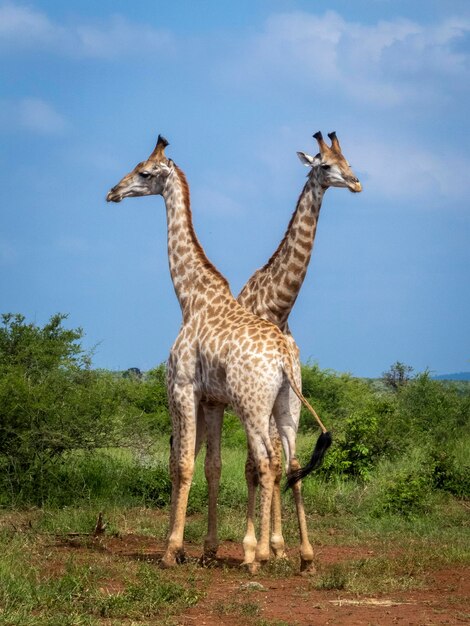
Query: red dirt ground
<point x="293" y="600"/>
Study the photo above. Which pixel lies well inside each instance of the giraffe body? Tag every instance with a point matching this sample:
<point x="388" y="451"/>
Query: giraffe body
<point x="271" y="293"/>
<point x="223" y="354"/>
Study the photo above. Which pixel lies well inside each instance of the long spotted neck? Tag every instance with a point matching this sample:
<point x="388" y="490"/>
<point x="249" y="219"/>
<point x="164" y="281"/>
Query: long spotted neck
<point x="272" y="290"/>
<point x="191" y="271"/>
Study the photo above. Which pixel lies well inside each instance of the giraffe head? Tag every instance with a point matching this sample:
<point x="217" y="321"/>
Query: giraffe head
<point x="147" y="178"/>
<point x="329" y="166"/>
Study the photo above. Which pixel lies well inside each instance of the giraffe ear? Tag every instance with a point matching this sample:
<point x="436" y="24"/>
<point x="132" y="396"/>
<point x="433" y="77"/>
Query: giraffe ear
<point x="165" y="170"/>
<point x="306" y="159"/>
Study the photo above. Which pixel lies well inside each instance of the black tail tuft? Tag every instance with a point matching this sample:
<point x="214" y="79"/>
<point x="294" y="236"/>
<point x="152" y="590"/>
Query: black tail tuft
<point x="323" y="443"/>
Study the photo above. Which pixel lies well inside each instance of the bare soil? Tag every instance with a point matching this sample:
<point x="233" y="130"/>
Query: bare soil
<point x="233" y="598"/>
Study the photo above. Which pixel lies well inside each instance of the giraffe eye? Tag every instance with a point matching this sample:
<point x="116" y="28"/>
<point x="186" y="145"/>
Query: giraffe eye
<point x="144" y="174"/>
<point x="326" y="167"/>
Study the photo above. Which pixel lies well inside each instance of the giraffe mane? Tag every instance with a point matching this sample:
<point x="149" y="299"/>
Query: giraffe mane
<point x="200" y="250"/>
<point x="286" y="234"/>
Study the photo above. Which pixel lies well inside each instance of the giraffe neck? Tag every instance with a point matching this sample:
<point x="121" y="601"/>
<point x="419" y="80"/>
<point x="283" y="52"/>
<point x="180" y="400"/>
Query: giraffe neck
<point x="193" y="275"/>
<point x="272" y="291"/>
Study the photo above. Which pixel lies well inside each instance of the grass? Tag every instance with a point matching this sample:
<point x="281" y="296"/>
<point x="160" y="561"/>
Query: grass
<point x="48" y="579"/>
<point x="376" y="575"/>
<point x="41" y="583"/>
<point x="45" y="580"/>
<point x="237" y="608"/>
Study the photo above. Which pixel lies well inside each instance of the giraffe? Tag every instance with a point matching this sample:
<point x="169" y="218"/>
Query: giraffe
<point x="271" y="293"/>
<point x="222" y="355"/>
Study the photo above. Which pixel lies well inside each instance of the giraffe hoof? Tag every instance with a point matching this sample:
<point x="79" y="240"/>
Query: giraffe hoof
<point x="307" y="568"/>
<point x="279" y="554"/>
<point x="208" y="559"/>
<point x="210" y="550"/>
<point x="252" y="568"/>
<point x="171" y="559"/>
<point x="181" y="557"/>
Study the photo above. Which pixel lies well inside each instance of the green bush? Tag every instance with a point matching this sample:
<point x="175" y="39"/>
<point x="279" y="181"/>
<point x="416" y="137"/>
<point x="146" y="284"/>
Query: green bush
<point x="449" y="476"/>
<point x="151" y="484"/>
<point x="371" y="422"/>
<point x="53" y="404"/>
<point x="428" y="409"/>
<point x="355" y="413"/>
<point x="353" y="453"/>
<point x="145" y="400"/>
<point x="233" y="433"/>
<point x="51" y="401"/>
<point x="402" y="486"/>
<point x="405" y="494"/>
<point x="70" y="433"/>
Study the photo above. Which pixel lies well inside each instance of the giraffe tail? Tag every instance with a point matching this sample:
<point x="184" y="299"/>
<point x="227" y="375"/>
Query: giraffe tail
<point x="324" y="441"/>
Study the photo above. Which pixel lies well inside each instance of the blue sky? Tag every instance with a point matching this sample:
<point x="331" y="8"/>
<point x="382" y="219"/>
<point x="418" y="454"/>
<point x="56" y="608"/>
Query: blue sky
<point x="238" y="88"/>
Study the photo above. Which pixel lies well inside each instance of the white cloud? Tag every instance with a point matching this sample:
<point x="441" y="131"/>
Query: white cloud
<point x="390" y="165"/>
<point x="211" y="201"/>
<point x="8" y="253"/>
<point x="387" y="63"/>
<point x="120" y="37"/>
<point x="39" y="116"/>
<point x="393" y="171"/>
<point x="25" y="28"/>
<point x="31" y="114"/>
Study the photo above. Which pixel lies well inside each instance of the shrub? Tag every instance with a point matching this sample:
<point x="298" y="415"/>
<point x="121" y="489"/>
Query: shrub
<point x="370" y="422"/>
<point x="61" y="421"/>
<point x="430" y="410"/>
<point x="449" y="476"/>
<point x="397" y="376"/>
<point x="404" y="486"/>
<point x="51" y="403"/>
<point x="353" y="453"/>
<point x="233" y="433"/>
<point x="404" y="495"/>
<point x="355" y="413"/>
<point x="145" y="399"/>
<point x="152" y="484"/>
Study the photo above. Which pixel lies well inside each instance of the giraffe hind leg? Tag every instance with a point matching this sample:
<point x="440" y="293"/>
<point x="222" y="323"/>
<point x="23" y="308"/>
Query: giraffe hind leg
<point x="286" y="413"/>
<point x="213" y="414"/>
<point x="262" y="454"/>
<point x="277" y="540"/>
<point x="249" y="540"/>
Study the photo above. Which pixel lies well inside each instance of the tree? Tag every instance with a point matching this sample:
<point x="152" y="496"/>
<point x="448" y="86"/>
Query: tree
<point x="51" y="401"/>
<point x="397" y="376"/>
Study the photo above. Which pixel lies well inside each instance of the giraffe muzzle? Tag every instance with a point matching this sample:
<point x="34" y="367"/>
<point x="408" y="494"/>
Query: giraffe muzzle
<point x="355" y="186"/>
<point x="113" y="196"/>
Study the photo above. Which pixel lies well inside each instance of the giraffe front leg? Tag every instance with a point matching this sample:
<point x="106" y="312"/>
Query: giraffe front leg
<point x="183" y="407"/>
